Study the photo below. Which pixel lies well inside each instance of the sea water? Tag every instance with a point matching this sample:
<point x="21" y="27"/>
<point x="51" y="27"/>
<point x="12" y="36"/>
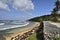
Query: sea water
<point x="12" y="24"/>
<point x="9" y="24"/>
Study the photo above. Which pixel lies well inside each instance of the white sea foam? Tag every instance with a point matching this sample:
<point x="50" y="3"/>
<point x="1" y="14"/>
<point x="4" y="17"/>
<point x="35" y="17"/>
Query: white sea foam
<point x="2" y="23"/>
<point x="4" y="27"/>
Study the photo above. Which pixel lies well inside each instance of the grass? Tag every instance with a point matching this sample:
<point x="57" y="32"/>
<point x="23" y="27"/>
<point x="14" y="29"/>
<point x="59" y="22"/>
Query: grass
<point x="32" y="37"/>
<point x="57" y="39"/>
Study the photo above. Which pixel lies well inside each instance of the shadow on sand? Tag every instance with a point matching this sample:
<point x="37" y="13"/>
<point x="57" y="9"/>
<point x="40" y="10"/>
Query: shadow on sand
<point x="39" y="32"/>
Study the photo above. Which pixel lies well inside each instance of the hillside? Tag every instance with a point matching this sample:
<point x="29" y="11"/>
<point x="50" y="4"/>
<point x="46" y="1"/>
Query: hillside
<point x="46" y="18"/>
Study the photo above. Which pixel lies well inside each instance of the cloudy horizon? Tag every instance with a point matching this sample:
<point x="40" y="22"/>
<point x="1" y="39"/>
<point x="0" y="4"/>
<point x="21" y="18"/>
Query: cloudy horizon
<point x="24" y="9"/>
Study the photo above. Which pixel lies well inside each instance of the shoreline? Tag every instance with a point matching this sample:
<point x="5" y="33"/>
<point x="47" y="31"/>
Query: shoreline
<point x="15" y="26"/>
<point x="21" y="32"/>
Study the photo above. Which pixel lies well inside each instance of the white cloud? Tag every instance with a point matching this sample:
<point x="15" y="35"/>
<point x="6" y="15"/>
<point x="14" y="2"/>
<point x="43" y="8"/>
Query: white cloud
<point x="17" y="4"/>
<point x="23" y="4"/>
<point x="4" y="6"/>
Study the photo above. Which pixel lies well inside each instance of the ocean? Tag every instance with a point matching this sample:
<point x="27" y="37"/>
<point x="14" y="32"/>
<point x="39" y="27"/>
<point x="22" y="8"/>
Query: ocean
<point x="11" y="24"/>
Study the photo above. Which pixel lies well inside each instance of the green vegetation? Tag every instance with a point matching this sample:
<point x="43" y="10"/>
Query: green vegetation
<point x="46" y="18"/>
<point x="32" y="37"/>
<point x="55" y="15"/>
<point x="57" y="39"/>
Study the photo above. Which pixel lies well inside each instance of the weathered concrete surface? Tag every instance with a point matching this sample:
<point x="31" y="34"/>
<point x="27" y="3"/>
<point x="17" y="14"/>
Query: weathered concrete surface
<point x="51" y="30"/>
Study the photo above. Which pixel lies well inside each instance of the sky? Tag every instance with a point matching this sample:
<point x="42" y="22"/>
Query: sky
<point x="25" y="9"/>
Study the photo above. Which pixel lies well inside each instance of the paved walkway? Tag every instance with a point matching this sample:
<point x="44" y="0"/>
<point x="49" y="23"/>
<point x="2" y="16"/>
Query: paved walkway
<point x="51" y="29"/>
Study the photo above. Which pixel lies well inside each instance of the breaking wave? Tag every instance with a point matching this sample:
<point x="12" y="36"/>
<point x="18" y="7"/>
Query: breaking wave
<point x="4" y="26"/>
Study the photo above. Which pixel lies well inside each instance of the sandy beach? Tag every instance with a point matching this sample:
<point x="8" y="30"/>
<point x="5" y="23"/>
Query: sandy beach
<point x="19" y="32"/>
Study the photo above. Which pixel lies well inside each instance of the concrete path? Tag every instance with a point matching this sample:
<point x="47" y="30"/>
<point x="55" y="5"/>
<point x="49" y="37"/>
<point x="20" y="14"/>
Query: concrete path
<point x="51" y="30"/>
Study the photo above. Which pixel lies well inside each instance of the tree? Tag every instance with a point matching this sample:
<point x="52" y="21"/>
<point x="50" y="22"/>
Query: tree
<point x="57" y="3"/>
<point x="55" y="11"/>
<point x="54" y="15"/>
